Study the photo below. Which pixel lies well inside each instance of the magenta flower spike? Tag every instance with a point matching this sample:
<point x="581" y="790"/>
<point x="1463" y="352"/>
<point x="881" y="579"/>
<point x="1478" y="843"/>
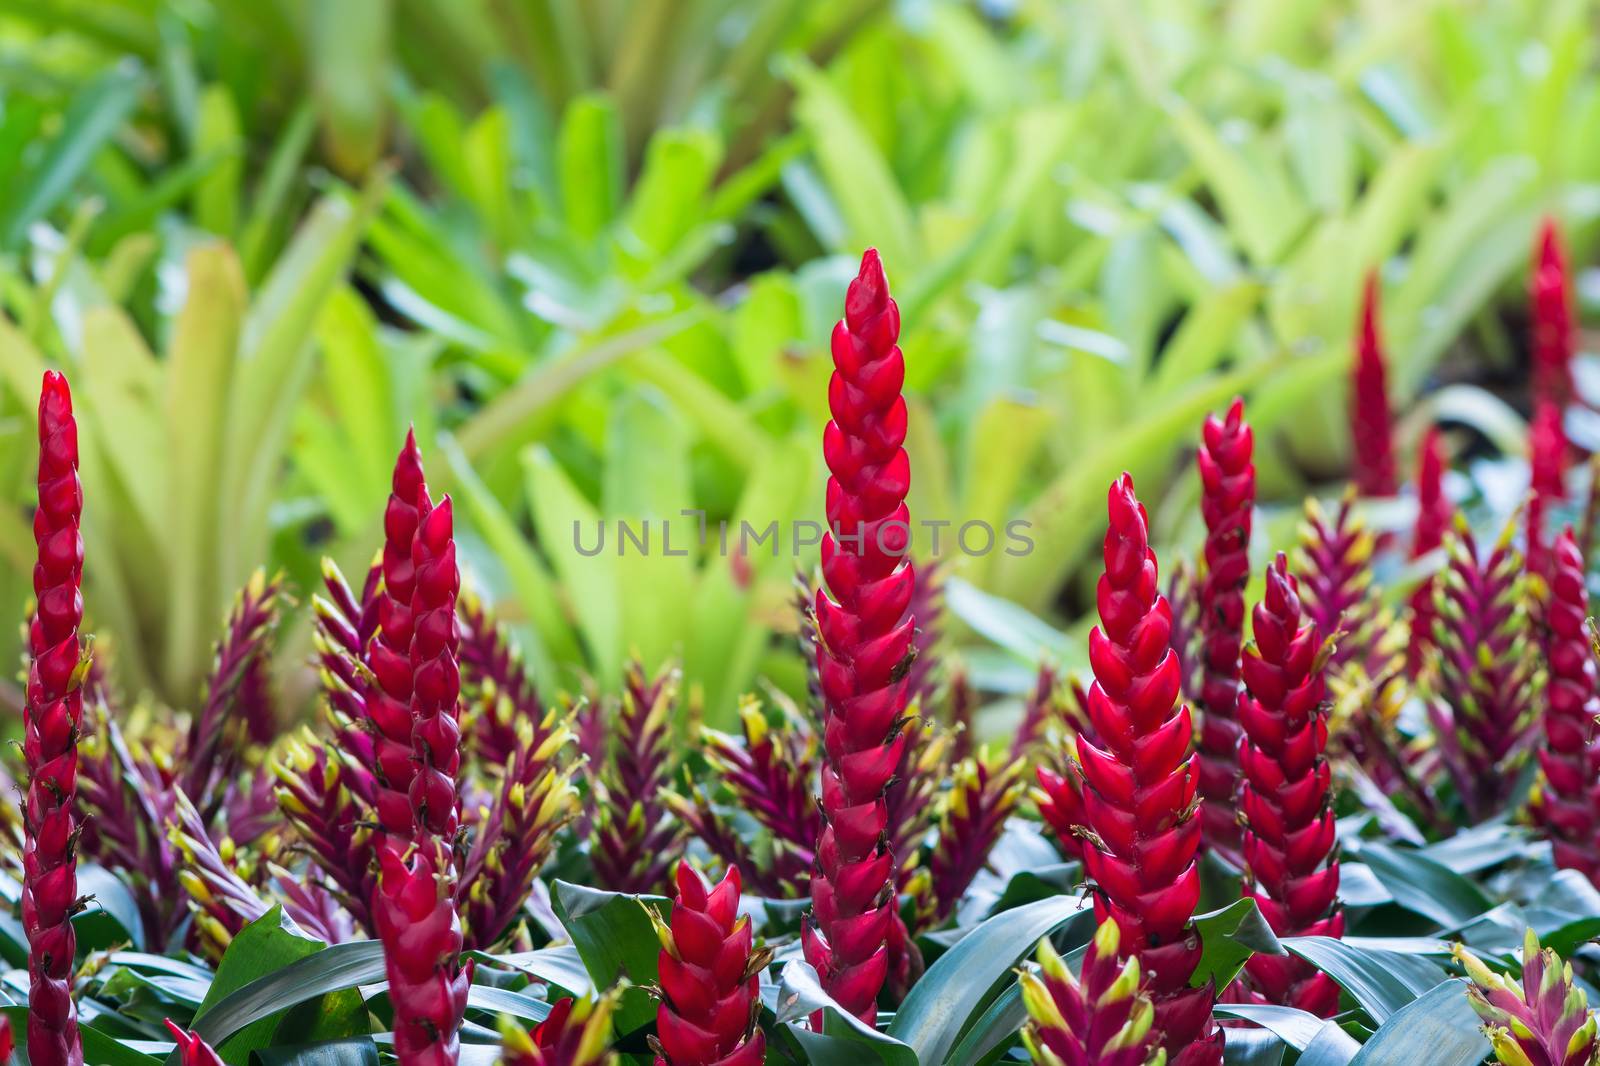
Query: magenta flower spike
<point x="53" y="721"/>
<point x="1140" y="786"/>
<point x="1286" y="796"/>
<point x="1371" y="420"/>
<point x="1228" y="493"/>
<point x="864" y="642"/>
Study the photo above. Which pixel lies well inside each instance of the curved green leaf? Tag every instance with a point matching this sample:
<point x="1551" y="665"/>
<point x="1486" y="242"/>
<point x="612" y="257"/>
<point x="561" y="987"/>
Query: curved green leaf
<point x="939" y="1007"/>
<point x="359" y="1052"/>
<point x="844" y="1040"/>
<point x="1383" y="982"/>
<point x="1438" y="1029"/>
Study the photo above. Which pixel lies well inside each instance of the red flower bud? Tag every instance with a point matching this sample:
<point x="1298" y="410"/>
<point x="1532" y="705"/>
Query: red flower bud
<point x="53" y="720"/>
<point x="1434" y="515"/>
<point x="1553" y="343"/>
<point x="865" y="637"/>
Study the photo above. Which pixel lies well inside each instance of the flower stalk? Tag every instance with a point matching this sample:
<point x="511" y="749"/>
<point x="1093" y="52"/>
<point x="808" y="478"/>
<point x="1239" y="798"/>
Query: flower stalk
<point x="1228" y="492"/>
<point x="710" y="977"/>
<point x="1101" y="1018"/>
<point x="1286" y="795"/>
<point x="1139" y="785"/>
<point x="864" y="648"/>
<point x="1566" y="801"/>
<point x="53" y="722"/>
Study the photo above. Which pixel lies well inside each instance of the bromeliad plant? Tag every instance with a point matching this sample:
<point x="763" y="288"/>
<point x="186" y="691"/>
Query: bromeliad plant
<point x="459" y="862"/>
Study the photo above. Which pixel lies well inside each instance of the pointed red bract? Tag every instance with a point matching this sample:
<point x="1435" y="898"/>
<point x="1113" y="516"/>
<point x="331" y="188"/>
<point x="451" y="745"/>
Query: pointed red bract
<point x="1227" y="498"/>
<point x="1139" y="785"/>
<point x="53" y="720"/>
<point x="1547" y="444"/>
<point x="1371" y="421"/>
<point x="865" y="638"/>
<point x="1286" y="795"/>
<point x="192" y="1051"/>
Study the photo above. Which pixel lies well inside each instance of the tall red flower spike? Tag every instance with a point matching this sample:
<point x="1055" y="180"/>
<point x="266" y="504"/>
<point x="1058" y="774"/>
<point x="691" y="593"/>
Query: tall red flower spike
<point x="1435" y="512"/>
<point x="1567" y="800"/>
<point x="388" y="701"/>
<point x="710" y="978"/>
<point x="192" y="1051"/>
<point x="864" y="642"/>
<point x="1547" y="444"/>
<point x="53" y="722"/>
<point x="414" y="907"/>
<point x="1371" y="422"/>
<point x="1228" y="493"/>
<point x="1286" y="793"/>
<point x="1139" y="786"/>
<point x="1550" y="292"/>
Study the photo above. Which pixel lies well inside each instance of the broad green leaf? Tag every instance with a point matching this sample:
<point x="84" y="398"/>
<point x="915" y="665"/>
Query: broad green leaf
<point x="1381" y="981"/>
<point x="355" y="1052"/>
<point x="1439" y="1028"/>
<point x="199" y="372"/>
<point x="860" y="180"/>
<point x="111" y="902"/>
<point x="581" y="546"/>
<point x="349" y="61"/>
<point x="257" y="956"/>
<point x="669" y="198"/>
<point x="944" y="1002"/>
<point x="1228" y="937"/>
<point x="616" y="939"/>
<point x="591" y="162"/>
<point x="98" y="1047"/>
<point x="844" y="1040"/>
<point x="216" y="195"/>
<point x="95" y="114"/>
<point x="330" y="969"/>
<point x="1296" y="1028"/>
<point x="560" y="965"/>
<point x="1421" y="885"/>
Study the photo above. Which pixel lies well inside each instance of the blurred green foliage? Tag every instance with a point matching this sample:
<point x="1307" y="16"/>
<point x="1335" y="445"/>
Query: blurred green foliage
<point x="593" y="249"/>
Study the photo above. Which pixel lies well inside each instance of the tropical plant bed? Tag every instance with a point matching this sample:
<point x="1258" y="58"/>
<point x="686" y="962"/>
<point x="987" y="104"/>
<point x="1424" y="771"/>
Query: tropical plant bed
<point x="1335" y="803"/>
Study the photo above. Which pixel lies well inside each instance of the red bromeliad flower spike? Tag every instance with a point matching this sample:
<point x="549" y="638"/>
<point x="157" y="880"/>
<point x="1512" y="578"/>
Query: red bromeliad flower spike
<point x="1550" y="292"/>
<point x="388" y="654"/>
<point x="1228" y="492"/>
<point x="192" y="1051"/>
<point x="1285" y="795"/>
<point x="1547" y="443"/>
<point x="710" y="978"/>
<point x="1567" y="800"/>
<point x="1139" y="785"/>
<point x="414" y="907"/>
<point x="1371" y="423"/>
<point x="53" y="723"/>
<point x="1435" y="512"/>
<point x="864" y="642"/>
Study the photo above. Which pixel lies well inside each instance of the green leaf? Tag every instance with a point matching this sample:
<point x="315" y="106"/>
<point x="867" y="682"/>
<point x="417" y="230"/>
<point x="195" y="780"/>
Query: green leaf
<point x="1439" y="1028"/>
<point x="98" y="1048"/>
<point x="570" y="526"/>
<point x="1425" y="887"/>
<point x="328" y="970"/>
<point x="357" y="1052"/>
<point x="616" y="939"/>
<point x="263" y="947"/>
<point x="113" y="903"/>
<point x="590" y="154"/>
<point x="1381" y="981"/>
<point x="1297" y="1028"/>
<point x="561" y="966"/>
<point x="199" y="372"/>
<point x="943" y="1003"/>
<point x="845" y="1040"/>
<point x="216" y="195"/>
<point x="95" y="114"/>
<point x="349" y="61"/>
<point x="1228" y="937"/>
